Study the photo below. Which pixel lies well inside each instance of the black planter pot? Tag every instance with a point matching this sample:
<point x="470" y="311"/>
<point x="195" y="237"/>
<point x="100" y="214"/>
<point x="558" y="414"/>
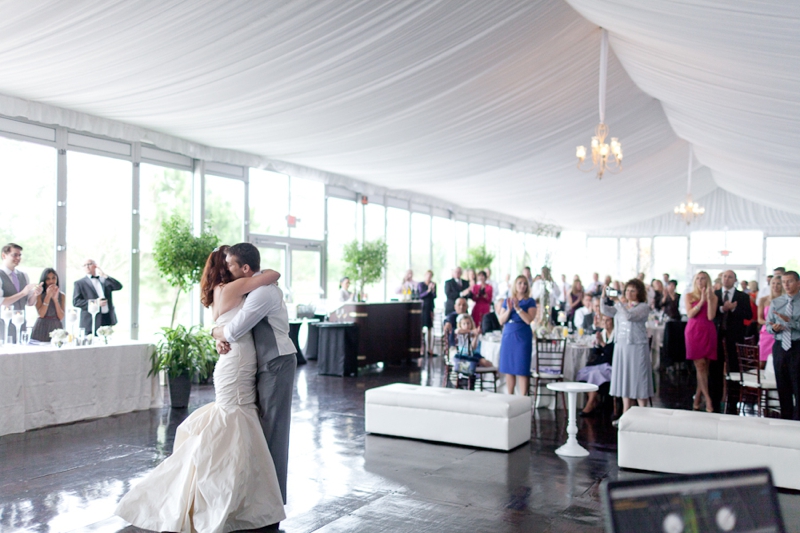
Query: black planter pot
<point x="179" y="389"/>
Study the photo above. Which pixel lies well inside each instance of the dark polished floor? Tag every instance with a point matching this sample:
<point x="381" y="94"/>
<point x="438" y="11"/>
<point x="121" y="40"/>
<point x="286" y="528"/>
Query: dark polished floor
<point x="69" y="478"/>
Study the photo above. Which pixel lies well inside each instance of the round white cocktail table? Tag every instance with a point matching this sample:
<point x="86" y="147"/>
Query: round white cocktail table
<point x="572" y="448"/>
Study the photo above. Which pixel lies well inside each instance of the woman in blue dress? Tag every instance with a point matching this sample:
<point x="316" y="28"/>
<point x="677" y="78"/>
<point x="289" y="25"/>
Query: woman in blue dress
<point x="516" y="347"/>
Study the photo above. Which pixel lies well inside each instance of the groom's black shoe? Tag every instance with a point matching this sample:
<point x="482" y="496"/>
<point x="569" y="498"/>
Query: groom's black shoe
<point x="273" y="527"/>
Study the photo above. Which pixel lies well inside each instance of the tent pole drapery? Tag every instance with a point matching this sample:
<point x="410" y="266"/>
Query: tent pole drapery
<point x="603" y="75"/>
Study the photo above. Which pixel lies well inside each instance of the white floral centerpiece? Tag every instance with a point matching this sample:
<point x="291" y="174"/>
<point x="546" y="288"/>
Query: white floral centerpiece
<point x="105" y="332"/>
<point x="58" y="337"/>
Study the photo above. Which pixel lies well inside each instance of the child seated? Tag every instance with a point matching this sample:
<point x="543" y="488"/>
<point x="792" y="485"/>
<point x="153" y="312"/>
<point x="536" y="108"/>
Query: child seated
<point x="467" y="356"/>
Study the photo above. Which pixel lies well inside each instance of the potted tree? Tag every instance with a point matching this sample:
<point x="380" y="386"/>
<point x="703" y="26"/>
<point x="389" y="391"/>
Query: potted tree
<point x="478" y="258"/>
<point x="182" y="352"/>
<point x="366" y="263"/>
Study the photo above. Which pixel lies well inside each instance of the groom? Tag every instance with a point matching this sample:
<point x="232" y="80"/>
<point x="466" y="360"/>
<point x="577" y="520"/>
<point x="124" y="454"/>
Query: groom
<point x="265" y="314"/>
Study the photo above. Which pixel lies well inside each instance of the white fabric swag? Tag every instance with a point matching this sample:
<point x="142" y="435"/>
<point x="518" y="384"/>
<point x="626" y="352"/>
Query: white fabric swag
<point x="476" y="103"/>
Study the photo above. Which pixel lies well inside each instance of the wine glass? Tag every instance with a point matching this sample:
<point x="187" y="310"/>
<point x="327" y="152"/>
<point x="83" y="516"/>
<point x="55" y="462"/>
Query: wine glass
<point x="6" y="314"/>
<point x="18" y="320"/>
<point x="94" y="308"/>
<point x="72" y="317"/>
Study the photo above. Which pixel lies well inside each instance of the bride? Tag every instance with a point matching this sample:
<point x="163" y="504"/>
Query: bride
<point x="220" y="476"/>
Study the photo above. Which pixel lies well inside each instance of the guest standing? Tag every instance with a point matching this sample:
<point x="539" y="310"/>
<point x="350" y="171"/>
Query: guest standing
<point x="766" y="340"/>
<point x="733" y="310"/>
<point x="701" y="335"/>
<point x="455" y="288"/>
<point x="344" y="290"/>
<point x="50" y="306"/>
<point x="427" y="293"/>
<point x="672" y="301"/>
<point x="516" y="346"/>
<point x="632" y="372"/>
<point x="784" y="322"/>
<point x="408" y="283"/>
<point x="584" y="316"/>
<point x="95" y="286"/>
<point x="658" y="294"/>
<point x="575" y="299"/>
<point x="751" y="328"/>
<point x="15" y="290"/>
<point x="598" y="370"/>
<point x="482" y="296"/>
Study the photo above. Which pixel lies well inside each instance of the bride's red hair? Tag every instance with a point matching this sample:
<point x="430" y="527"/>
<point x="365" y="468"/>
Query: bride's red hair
<point x="215" y="273"/>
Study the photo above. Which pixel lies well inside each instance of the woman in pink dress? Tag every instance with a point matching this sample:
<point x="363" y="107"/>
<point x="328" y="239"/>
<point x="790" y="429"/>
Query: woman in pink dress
<point x="765" y="339"/>
<point x="701" y="334"/>
<point x="482" y="296"/>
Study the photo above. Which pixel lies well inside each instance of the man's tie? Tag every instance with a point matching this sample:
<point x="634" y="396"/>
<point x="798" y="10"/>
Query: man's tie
<point x="15" y="279"/>
<point x="726" y="299"/>
<point x="786" y="334"/>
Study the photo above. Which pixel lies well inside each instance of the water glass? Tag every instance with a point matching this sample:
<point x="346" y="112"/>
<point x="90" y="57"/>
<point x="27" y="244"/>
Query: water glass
<point x="25" y="337"/>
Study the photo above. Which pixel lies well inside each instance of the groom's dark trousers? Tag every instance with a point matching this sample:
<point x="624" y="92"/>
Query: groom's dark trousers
<point x="275" y="387"/>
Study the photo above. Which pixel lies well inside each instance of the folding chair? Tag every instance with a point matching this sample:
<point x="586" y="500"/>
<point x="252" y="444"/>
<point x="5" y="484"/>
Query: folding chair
<point x="549" y="366"/>
<point x="752" y="382"/>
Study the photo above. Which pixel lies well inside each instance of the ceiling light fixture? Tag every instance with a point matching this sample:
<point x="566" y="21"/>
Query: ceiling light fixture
<point x="605" y="156"/>
<point x="689" y="210"/>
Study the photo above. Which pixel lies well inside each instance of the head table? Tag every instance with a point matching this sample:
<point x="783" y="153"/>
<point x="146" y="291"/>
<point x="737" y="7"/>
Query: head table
<point x="44" y="385"/>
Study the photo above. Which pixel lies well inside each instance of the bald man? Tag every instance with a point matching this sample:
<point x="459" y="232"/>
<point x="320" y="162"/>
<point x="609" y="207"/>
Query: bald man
<point x="96" y="285"/>
<point x="733" y="310"/>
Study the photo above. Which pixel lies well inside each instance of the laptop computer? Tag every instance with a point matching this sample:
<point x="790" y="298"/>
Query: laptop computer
<point x="738" y="501"/>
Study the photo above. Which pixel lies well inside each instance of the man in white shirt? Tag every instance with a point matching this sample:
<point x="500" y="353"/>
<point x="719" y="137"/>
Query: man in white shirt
<point x="15" y="290"/>
<point x="264" y="312"/>
<point x="594" y="288"/>
<point x="584" y="315"/>
<point x="96" y="285"/>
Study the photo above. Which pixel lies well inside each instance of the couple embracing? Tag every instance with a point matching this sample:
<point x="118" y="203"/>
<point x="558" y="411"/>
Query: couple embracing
<point x="229" y="462"/>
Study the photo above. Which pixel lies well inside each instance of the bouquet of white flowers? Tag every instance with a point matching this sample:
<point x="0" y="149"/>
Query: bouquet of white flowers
<point x="58" y="337"/>
<point x="105" y="332"/>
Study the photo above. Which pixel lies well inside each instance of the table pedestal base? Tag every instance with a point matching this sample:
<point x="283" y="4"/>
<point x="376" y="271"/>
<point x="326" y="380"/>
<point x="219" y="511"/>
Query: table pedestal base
<point x="572" y="448"/>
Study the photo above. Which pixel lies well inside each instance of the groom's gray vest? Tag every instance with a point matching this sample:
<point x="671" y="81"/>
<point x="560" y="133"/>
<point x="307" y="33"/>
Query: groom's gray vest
<point x="266" y="343"/>
<point x="19" y="305"/>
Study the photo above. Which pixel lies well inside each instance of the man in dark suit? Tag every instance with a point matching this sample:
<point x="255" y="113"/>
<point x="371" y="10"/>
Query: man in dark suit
<point x="733" y="310"/>
<point x="96" y="285"/>
<point x="454" y="289"/>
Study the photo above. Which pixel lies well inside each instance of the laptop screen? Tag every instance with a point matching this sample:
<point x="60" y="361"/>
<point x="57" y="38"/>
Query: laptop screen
<point x="742" y="501"/>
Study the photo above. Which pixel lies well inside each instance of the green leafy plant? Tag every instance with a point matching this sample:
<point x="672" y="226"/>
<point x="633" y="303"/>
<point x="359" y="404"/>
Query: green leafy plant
<point x="366" y="262"/>
<point x="478" y="258"/>
<point x="180" y="256"/>
<point x="184" y="351"/>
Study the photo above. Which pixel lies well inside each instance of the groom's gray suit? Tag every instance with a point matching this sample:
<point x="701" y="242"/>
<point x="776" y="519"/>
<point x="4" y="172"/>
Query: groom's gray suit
<point x="265" y="313"/>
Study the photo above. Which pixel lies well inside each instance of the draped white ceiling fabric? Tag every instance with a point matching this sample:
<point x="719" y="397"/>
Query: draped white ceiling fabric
<point x="478" y="103"/>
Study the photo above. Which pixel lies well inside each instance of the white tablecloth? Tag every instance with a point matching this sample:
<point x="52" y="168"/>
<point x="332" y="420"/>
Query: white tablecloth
<point x="42" y="386"/>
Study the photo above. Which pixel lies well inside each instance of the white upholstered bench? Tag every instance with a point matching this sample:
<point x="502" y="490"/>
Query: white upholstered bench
<point x="684" y="442"/>
<point x="471" y="418"/>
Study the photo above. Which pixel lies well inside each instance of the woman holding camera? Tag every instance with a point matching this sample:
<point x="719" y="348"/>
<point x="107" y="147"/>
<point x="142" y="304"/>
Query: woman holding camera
<point x="631" y="373"/>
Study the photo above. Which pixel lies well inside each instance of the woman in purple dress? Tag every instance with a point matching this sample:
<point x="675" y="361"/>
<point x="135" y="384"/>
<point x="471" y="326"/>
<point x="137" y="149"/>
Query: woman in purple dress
<point x="701" y="334"/>
<point x="516" y="346"/>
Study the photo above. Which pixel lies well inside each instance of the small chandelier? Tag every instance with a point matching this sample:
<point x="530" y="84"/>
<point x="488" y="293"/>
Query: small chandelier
<point x="689" y="210"/>
<point x="605" y="156"/>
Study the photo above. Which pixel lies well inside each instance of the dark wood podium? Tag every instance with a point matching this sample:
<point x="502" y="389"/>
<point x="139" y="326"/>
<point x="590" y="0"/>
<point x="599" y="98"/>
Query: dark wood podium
<point x="388" y="332"/>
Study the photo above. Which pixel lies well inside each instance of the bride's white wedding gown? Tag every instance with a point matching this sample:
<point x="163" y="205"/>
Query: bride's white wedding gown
<point x="220" y="476"/>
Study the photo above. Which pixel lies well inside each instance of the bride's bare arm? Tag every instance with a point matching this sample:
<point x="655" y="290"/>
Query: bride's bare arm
<point x="231" y="294"/>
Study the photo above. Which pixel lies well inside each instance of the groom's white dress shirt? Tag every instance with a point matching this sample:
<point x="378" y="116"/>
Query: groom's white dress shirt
<point x="263" y="302"/>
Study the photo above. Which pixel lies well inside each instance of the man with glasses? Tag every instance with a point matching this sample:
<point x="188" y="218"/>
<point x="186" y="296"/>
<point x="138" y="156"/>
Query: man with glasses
<point x="95" y="286"/>
<point x="15" y="291"/>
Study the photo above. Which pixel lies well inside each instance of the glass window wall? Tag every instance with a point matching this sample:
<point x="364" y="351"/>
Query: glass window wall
<point x="307" y="203"/>
<point x="269" y="202"/>
<point x="397" y="221"/>
<point x="163" y="192"/>
<point x="341" y="231"/>
<point x="28" y="177"/>
<point x="99" y="225"/>
<point x="420" y="244"/>
<point x="444" y="251"/>
<point x="225" y="208"/>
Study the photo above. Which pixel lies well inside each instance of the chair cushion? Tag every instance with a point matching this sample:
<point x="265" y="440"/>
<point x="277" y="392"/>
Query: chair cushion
<point x="547" y="375"/>
<point x="451" y="400"/>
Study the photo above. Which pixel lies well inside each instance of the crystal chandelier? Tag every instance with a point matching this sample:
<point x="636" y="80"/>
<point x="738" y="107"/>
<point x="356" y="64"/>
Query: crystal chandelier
<point x="689" y="210"/>
<point x="605" y="156"/>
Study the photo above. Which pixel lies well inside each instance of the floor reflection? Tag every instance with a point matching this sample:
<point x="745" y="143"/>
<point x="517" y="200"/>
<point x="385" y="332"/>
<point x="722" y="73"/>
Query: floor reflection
<point x="70" y="478"/>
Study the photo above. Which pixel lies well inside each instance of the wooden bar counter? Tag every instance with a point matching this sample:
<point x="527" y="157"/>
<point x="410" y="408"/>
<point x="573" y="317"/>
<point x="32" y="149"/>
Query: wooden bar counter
<point x="388" y="332"/>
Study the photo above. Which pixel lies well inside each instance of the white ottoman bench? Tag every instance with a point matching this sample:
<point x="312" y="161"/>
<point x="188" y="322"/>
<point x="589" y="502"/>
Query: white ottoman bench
<point x="684" y="442"/>
<point x="471" y="418"/>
